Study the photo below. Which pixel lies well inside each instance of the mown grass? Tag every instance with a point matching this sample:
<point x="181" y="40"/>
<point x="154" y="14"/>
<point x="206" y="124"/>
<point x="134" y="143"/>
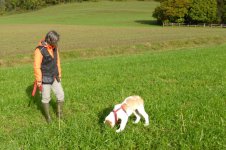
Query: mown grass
<point x="103" y="13"/>
<point x="184" y="92"/>
<point x="17" y="46"/>
<point x="93" y="29"/>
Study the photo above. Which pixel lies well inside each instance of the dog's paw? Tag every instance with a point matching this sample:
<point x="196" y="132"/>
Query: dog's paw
<point x="119" y="130"/>
<point x="135" y="122"/>
<point x="146" y="124"/>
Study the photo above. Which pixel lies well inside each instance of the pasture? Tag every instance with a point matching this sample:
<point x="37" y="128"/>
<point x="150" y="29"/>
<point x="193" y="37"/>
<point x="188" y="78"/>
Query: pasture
<point x="179" y="72"/>
<point x="93" y="29"/>
<point x="184" y="93"/>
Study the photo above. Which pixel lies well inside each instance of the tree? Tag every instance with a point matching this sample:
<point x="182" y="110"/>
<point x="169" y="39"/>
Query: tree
<point x="2" y="6"/>
<point x="160" y="0"/>
<point x="221" y="13"/>
<point x="203" y="11"/>
<point x="14" y="5"/>
<point x="52" y="2"/>
<point x="172" y="11"/>
<point x="223" y="17"/>
<point x="30" y="4"/>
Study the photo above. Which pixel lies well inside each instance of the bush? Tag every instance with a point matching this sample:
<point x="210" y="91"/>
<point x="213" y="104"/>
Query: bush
<point x="2" y="7"/>
<point x="192" y="11"/>
<point x="30" y="4"/>
<point x="221" y="13"/>
<point x="203" y="11"/>
<point x="172" y="11"/>
<point x="14" y="5"/>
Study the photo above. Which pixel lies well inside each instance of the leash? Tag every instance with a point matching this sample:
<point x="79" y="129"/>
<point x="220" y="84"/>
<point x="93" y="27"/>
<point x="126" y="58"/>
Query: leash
<point x="35" y="89"/>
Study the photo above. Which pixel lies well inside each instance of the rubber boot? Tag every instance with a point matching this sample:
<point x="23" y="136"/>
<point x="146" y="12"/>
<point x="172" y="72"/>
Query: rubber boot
<point x="60" y="109"/>
<point x="46" y="112"/>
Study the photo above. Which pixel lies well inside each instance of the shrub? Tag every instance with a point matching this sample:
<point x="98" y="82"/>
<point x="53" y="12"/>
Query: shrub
<point x="203" y="11"/>
<point x="172" y="11"/>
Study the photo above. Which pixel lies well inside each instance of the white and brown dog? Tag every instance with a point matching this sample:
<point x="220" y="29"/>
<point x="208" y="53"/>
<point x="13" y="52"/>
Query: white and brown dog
<point x="131" y="105"/>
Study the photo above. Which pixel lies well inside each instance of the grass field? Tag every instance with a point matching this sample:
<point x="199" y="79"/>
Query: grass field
<point x="102" y="13"/>
<point x="184" y="93"/>
<point x="110" y="50"/>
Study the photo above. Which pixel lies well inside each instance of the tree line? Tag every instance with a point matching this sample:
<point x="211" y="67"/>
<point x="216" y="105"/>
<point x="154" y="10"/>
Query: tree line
<point x="17" y="5"/>
<point x="191" y="11"/>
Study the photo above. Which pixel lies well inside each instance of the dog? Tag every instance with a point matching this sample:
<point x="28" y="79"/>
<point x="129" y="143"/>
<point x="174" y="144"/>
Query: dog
<point x="131" y="105"/>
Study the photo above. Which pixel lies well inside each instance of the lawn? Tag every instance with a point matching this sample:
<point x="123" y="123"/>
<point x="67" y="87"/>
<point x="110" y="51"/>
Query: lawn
<point x="103" y="13"/>
<point x="184" y="93"/>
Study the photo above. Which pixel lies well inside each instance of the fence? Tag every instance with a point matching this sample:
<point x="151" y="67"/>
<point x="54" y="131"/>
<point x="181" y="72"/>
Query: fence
<point x="195" y="25"/>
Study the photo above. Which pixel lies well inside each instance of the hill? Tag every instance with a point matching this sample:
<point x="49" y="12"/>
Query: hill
<point x="93" y="29"/>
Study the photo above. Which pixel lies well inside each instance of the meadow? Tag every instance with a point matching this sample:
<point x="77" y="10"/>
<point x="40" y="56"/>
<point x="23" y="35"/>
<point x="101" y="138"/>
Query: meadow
<point x="93" y="29"/>
<point x="184" y="93"/>
<point x="179" y="72"/>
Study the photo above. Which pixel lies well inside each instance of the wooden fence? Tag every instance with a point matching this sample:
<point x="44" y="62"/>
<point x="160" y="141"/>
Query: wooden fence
<point x="194" y="25"/>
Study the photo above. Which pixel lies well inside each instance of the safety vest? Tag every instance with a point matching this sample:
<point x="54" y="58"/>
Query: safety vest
<point x="49" y="65"/>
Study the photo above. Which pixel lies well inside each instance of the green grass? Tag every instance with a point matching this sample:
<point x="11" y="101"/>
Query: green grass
<point x="184" y="92"/>
<point x="130" y="13"/>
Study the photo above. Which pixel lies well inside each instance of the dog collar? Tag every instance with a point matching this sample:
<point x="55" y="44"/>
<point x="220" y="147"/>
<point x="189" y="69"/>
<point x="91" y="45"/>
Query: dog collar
<point x="115" y="113"/>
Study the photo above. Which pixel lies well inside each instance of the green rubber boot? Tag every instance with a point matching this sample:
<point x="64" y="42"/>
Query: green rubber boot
<point x="46" y="112"/>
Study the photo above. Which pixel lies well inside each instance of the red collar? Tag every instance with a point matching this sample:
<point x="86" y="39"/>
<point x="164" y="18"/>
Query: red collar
<point x="45" y="44"/>
<point x="115" y="113"/>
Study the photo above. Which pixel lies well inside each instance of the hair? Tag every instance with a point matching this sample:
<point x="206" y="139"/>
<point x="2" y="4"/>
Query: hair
<point x="52" y="38"/>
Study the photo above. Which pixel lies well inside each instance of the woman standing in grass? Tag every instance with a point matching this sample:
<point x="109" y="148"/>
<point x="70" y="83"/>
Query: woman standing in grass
<point x="47" y="72"/>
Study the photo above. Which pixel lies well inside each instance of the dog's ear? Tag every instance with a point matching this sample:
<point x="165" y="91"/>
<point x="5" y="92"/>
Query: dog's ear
<point x="108" y="122"/>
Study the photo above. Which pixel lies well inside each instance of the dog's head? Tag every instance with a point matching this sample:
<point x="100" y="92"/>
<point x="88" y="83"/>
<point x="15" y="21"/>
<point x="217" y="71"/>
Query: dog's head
<point x="110" y="120"/>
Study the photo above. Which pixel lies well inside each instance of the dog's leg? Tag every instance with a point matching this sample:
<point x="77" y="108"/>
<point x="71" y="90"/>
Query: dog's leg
<point x="123" y="124"/>
<point x="144" y="114"/>
<point x="137" y="117"/>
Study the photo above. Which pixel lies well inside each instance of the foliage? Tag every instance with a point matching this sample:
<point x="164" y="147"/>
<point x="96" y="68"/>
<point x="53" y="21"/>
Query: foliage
<point x="224" y="13"/>
<point x="160" y="0"/>
<point x="10" y="5"/>
<point x="2" y="6"/>
<point x="203" y="11"/>
<point x="192" y="11"/>
<point x="172" y="11"/>
<point x="221" y="11"/>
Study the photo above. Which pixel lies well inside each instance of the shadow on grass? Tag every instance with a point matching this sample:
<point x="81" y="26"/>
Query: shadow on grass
<point x="36" y="100"/>
<point x="147" y="22"/>
<point x="102" y="116"/>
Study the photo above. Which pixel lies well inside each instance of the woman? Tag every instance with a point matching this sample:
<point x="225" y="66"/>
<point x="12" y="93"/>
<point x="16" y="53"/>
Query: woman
<point x="47" y="72"/>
